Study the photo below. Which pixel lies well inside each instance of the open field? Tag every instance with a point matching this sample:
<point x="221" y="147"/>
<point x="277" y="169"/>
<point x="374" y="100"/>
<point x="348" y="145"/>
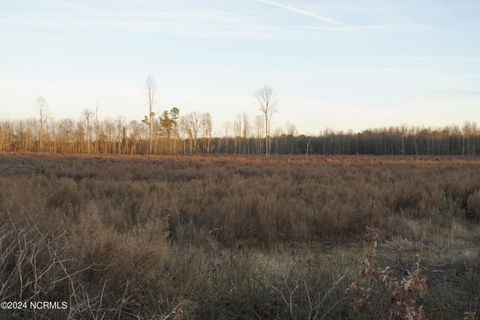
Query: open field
<point x="234" y="237"/>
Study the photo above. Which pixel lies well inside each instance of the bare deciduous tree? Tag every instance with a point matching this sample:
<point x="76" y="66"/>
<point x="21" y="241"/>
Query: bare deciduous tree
<point x="259" y="129"/>
<point x="97" y="130"/>
<point x="246" y="132"/>
<point x="190" y="125"/>
<point x="207" y="127"/>
<point x="226" y="127"/>
<point x="237" y="133"/>
<point x="87" y="116"/>
<point x="43" y="117"/>
<point x="149" y="119"/>
<point x="291" y="129"/>
<point x="267" y="105"/>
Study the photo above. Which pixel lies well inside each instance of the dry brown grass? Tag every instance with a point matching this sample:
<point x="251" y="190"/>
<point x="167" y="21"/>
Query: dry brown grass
<point x="145" y="236"/>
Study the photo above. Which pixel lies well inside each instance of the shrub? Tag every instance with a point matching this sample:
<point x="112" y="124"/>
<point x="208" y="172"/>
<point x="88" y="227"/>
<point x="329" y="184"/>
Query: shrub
<point x="474" y="206"/>
<point x="403" y="293"/>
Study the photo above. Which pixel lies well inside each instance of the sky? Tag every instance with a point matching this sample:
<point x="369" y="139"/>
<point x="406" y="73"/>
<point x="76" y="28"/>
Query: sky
<point x="338" y="64"/>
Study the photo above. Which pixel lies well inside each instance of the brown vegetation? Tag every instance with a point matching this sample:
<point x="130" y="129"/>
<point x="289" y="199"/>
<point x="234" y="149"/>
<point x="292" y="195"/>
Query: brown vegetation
<point x="222" y="237"/>
<point x="403" y="294"/>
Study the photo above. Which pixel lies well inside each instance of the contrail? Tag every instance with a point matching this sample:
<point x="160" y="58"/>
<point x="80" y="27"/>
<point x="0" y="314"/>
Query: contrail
<point x="300" y="11"/>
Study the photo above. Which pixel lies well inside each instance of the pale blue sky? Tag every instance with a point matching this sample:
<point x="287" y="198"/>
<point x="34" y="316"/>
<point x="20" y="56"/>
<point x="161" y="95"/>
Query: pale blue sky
<point x="342" y="64"/>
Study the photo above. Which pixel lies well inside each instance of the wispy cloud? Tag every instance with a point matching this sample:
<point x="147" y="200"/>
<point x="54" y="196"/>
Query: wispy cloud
<point x="175" y="19"/>
<point x="302" y="12"/>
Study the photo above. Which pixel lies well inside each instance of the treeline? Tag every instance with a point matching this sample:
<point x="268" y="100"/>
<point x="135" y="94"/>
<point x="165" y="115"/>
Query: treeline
<point x="193" y="134"/>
